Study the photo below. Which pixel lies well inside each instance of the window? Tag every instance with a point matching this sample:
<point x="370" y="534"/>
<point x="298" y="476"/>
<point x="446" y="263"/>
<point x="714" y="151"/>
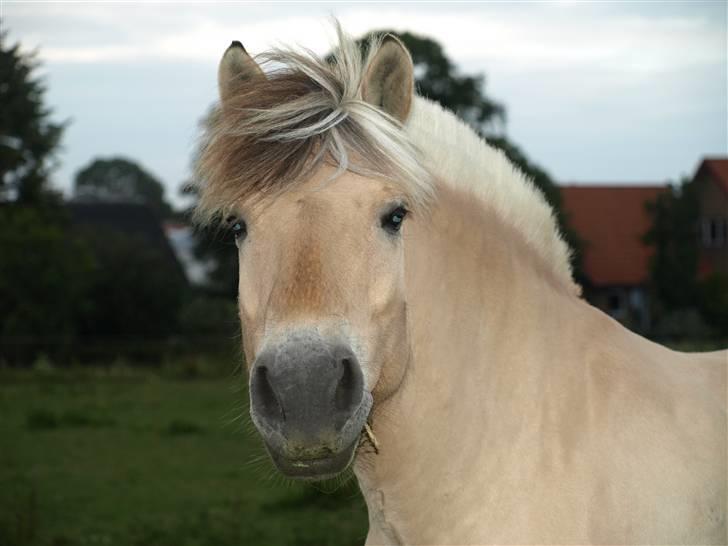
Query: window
<point x="714" y="232"/>
<point x="616" y="304"/>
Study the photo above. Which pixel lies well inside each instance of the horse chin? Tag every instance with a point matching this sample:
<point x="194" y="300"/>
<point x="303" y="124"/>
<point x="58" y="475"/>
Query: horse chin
<point x="304" y="454"/>
<point x="314" y="468"/>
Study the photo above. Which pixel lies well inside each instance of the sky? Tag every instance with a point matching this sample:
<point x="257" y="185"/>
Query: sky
<point x="620" y="92"/>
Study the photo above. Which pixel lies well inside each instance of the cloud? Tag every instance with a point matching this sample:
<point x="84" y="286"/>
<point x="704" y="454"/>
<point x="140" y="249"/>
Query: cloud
<point x="541" y="37"/>
<point x="597" y="90"/>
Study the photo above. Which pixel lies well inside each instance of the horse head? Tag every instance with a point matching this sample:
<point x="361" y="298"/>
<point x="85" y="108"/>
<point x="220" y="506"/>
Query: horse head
<point x="311" y="170"/>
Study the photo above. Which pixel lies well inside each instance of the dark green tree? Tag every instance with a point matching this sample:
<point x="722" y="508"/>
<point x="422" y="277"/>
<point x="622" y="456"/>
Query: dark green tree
<point x="121" y="180"/>
<point x="43" y="270"/>
<point x="28" y="138"/>
<point x="134" y="291"/>
<point x="674" y="236"/>
<point x="713" y="298"/>
<point x="45" y="274"/>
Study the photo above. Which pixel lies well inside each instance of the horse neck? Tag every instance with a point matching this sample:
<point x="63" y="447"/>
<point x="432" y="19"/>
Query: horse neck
<point x="480" y="307"/>
<point x="481" y="302"/>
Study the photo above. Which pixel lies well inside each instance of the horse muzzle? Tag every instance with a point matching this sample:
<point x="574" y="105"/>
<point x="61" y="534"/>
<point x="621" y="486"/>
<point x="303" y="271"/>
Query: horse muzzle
<point x="308" y="401"/>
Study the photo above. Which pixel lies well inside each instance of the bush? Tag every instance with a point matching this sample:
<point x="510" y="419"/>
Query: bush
<point x="133" y="290"/>
<point x="41" y="420"/>
<point x="180" y="427"/>
<point x="45" y="273"/>
<point x="682" y="324"/>
<point x="79" y="294"/>
<point x="713" y="295"/>
<point x="205" y="316"/>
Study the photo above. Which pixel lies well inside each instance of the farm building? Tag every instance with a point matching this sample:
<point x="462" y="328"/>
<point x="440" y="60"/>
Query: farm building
<point x="712" y="178"/>
<point x="612" y="221"/>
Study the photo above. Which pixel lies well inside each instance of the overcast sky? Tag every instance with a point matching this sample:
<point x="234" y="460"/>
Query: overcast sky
<point x="606" y="92"/>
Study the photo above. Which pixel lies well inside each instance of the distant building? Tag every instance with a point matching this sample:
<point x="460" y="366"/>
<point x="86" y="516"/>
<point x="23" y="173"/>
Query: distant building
<point x="181" y="236"/>
<point x="712" y="178"/>
<point x="611" y="221"/>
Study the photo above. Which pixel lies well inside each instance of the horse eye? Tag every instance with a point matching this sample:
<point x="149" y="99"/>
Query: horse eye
<point x="392" y="221"/>
<point x="238" y="227"/>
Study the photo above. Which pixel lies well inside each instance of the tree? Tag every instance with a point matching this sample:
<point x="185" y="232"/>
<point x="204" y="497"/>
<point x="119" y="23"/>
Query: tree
<point x="45" y="273"/>
<point x="42" y="268"/>
<point x="673" y="234"/>
<point x="134" y="291"/>
<point x="713" y="298"/>
<point x="119" y="179"/>
<point x="61" y="287"/>
<point x="28" y="139"/>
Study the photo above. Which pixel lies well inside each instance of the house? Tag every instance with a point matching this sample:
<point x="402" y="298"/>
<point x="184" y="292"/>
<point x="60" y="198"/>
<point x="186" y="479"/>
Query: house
<point x="182" y="238"/>
<point x="611" y="221"/>
<point x="712" y="180"/>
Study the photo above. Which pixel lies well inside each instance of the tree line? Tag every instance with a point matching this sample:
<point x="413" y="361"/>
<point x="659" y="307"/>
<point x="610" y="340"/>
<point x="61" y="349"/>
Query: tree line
<point x="64" y="289"/>
<point x="82" y="292"/>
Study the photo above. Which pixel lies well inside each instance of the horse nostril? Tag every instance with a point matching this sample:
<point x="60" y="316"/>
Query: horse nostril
<point x="265" y="396"/>
<point x="348" y="391"/>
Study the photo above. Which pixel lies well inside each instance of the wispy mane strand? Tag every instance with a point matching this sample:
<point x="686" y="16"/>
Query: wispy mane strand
<point x="307" y="110"/>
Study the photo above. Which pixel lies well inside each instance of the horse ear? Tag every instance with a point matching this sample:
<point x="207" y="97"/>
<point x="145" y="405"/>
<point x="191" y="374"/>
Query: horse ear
<point x="389" y="79"/>
<point x="236" y="70"/>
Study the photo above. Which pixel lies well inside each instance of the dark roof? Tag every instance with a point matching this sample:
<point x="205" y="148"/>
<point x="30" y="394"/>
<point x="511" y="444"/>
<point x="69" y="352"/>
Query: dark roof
<point x="611" y="220"/>
<point x="132" y="219"/>
<point x="715" y="168"/>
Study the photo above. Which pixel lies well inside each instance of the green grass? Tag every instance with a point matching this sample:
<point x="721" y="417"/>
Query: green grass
<point x="131" y="457"/>
<point x="690" y="346"/>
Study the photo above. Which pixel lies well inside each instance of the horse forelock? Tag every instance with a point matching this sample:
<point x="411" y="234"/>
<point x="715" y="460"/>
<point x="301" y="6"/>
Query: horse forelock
<point x="307" y="111"/>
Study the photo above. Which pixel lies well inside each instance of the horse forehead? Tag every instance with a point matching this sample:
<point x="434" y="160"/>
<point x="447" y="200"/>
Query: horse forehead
<point x="325" y="217"/>
<point x="321" y="234"/>
<point x="331" y="200"/>
<point x="342" y="189"/>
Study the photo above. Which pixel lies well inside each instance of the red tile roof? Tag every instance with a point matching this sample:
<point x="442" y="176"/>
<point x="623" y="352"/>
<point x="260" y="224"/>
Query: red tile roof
<point x="611" y="220"/>
<point x="715" y="168"/>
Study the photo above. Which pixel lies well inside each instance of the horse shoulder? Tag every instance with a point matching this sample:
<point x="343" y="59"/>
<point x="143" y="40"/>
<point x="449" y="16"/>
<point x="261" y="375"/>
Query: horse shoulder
<point x="659" y="422"/>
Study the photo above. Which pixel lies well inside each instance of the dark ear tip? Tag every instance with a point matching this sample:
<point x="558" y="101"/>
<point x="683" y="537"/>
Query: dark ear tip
<point x="237" y="44"/>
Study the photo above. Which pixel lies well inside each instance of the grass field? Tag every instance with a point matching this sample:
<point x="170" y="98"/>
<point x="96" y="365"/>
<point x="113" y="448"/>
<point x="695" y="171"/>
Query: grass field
<point x="132" y="457"/>
<point x="164" y="457"/>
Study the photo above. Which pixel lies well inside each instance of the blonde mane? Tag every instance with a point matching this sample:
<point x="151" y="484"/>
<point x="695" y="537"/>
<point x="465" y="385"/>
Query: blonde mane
<point x="305" y="111"/>
<point x="309" y="109"/>
<point x="457" y="156"/>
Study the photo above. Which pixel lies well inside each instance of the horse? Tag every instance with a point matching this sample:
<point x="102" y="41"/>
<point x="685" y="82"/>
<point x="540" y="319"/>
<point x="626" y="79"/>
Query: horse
<point x="408" y="310"/>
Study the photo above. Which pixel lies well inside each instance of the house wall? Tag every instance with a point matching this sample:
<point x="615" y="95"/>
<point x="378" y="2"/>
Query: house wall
<point x="713" y="205"/>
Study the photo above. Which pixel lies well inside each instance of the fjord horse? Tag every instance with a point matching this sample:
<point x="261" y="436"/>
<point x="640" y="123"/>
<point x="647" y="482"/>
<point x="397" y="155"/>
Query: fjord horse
<point x="408" y="308"/>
